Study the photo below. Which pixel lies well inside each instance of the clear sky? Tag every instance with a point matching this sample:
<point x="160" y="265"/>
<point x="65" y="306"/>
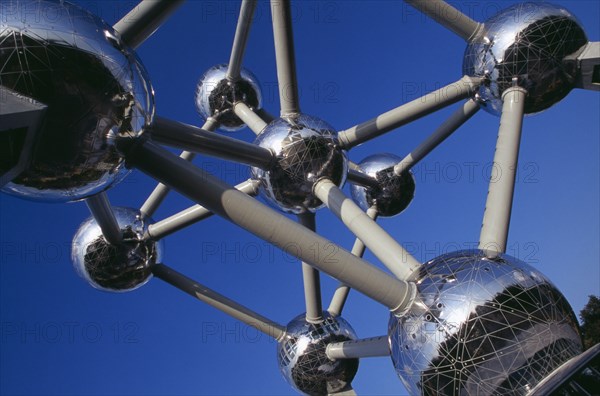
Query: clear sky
<point x="355" y="60"/>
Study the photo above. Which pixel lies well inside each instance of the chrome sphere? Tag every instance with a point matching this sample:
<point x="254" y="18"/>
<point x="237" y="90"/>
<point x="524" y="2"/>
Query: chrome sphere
<point x="216" y="95"/>
<point x="525" y="45"/>
<point x="95" y="87"/>
<point x="110" y="267"/>
<point x="306" y="150"/>
<point x="303" y="361"/>
<point x="394" y="192"/>
<point x="482" y="327"/>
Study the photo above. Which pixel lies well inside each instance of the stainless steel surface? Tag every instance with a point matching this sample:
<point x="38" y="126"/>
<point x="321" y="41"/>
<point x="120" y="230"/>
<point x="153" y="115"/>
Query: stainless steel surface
<point x="483" y="326"/>
<point x="115" y="268"/>
<point x="303" y="360"/>
<point x="306" y="150"/>
<point x="96" y="90"/>
<point x="394" y="192"/>
<point x="525" y="44"/>
<point x="216" y="96"/>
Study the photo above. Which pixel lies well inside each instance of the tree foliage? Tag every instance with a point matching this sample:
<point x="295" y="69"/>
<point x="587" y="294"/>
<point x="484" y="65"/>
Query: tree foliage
<point x="590" y="322"/>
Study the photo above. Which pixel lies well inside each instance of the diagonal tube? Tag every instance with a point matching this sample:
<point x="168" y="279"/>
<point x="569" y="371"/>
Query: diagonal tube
<point x="341" y="292"/>
<point x="102" y="211"/>
<point x="408" y="112"/>
<point x="191" y="215"/>
<point x="142" y="21"/>
<point x="498" y="206"/>
<point x="160" y="191"/>
<point x="195" y="139"/>
<point x="362" y="179"/>
<point x="449" y="17"/>
<point x="457" y="118"/>
<point x="267" y="224"/>
<point x="242" y="31"/>
<point x="400" y="262"/>
<point x="218" y="301"/>
<point x="285" y="57"/>
<point x="250" y="118"/>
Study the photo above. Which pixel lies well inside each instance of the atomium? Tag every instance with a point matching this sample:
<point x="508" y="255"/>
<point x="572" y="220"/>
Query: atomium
<point x="96" y="90"/>
<point x="483" y="326"/>
<point x="525" y="45"/>
<point x="468" y="322"/>
<point x="306" y="150"/>
<point x="116" y="268"/>
<point x="216" y="95"/>
<point x="302" y="358"/>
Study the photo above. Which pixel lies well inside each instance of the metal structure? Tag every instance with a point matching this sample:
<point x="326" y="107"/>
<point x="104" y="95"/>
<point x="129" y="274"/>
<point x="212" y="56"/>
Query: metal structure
<point x="471" y="322"/>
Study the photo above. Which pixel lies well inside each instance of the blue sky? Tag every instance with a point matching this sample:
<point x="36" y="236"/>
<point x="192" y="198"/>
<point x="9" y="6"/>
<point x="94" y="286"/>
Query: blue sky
<point x="355" y="60"/>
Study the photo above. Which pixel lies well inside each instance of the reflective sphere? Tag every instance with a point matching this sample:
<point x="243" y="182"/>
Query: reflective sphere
<point x="307" y="150"/>
<point x="525" y="45"/>
<point x="215" y="96"/>
<point x="95" y="87"/>
<point x="115" y="268"/>
<point x="303" y="361"/>
<point x="394" y="192"/>
<point x="483" y="327"/>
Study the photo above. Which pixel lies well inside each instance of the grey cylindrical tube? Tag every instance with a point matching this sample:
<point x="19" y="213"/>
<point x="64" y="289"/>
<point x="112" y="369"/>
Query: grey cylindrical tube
<point x="400" y="262"/>
<point x="103" y="214"/>
<point x="242" y="32"/>
<point x="311" y="279"/>
<point x="341" y="292"/>
<point x="362" y="179"/>
<point x="408" y="112"/>
<point x="285" y="57"/>
<point x="195" y="139"/>
<point x="191" y="215"/>
<point x="141" y="22"/>
<point x="269" y="225"/>
<point x="250" y="118"/>
<point x="498" y="207"/>
<point x="457" y="118"/>
<point x="449" y="17"/>
<point x="160" y="191"/>
<point x="367" y="347"/>
<point x="222" y="303"/>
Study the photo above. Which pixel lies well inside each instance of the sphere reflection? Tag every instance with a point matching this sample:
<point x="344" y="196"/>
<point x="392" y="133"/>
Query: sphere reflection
<point x="306" y="150"/>
<point x="394" y="192"/>
<point x="483" y="326"/>
<point x="525" y="45"/>
<point x="216" y="95"/>
<point x="95" y="87"/>
<point x="110" y="267"/>
<point x="303" y="360"/>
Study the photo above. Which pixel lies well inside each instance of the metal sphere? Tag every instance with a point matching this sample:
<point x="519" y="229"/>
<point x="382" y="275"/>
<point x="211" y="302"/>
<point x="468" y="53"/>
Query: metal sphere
<point x="95" y="89"/>
<point x="303" y="360"/>
<point x="483" y="326"/>
<point x="525" y="45"/>
<point x="306" y="150"/>
<point x="216" y="95"/>
<point x="394" y="192"/>
<point x="115" y="268"/>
